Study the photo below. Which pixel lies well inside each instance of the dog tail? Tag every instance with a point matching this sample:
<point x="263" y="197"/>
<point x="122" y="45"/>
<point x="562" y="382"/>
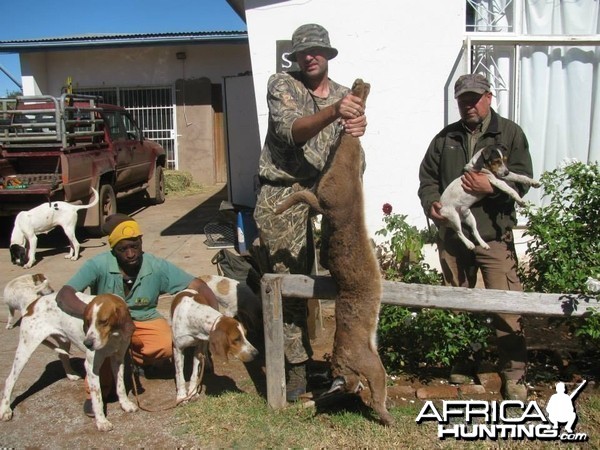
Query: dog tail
<point x="93" y="202"/>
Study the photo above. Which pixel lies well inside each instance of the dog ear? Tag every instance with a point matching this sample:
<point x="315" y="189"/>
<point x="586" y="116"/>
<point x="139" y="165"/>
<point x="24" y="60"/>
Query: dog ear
<point x="124" y="321"/>
<point x="483" y="157"/>
<point x="218" y="343"/>
<point x="86" y="320"/>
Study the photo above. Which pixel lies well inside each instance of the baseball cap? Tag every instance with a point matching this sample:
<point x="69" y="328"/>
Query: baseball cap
<point x="474" y="82"/>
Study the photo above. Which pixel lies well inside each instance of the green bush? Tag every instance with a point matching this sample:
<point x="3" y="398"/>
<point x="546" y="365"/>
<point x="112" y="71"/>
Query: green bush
<point x="564" y="249"/>
<point x="409" y="337"/>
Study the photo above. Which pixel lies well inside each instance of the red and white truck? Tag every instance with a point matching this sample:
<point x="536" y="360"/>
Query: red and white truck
<point x="58" y="148"/>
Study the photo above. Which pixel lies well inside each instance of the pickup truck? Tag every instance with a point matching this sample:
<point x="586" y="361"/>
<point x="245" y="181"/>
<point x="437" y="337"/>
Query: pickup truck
<point x="58" y="148"/>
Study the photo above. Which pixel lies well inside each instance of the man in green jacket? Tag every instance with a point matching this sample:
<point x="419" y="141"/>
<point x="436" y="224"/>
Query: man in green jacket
<point x="448" y="153"/>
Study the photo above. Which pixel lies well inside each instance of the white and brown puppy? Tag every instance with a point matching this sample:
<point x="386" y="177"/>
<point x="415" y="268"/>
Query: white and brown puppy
<point x="43" y="319"/>
<point x="195" y="323"/>
<point x="42" y="219"/>
<point x="21" y="291"/>
<point x="456" y="202"/>
<point x="108" y="328"/>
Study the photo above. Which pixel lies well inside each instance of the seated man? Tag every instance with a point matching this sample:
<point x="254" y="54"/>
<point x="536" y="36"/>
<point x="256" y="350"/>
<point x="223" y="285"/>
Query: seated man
<point x="140" y="278"/>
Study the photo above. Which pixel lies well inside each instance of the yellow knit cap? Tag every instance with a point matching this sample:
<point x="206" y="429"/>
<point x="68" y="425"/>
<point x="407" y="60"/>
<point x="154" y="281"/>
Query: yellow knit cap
<point x="125" y="230"/>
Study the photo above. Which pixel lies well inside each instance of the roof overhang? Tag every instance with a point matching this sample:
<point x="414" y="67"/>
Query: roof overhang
<point x="239" y="8"/>
<point x="123" y="40"/>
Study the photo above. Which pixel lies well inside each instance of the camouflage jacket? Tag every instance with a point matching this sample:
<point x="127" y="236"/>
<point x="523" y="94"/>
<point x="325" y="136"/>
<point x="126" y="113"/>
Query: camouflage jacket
<point x="281" y="159"/>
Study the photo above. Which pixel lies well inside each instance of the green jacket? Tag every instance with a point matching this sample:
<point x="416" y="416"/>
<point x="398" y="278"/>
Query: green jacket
<point x="446" y="158"/>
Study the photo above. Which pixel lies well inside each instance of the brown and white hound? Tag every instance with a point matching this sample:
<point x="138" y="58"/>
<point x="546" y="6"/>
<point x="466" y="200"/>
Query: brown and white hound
<point x="108" y="329"/>
<point x="195" y="324"/>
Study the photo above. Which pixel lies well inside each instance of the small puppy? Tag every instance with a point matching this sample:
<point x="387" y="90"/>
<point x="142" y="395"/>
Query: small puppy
<point x="194" y="323"/>
<point x="21" y="291"/>
<point x="42" y="219"/>
<point x="456" y="202"/>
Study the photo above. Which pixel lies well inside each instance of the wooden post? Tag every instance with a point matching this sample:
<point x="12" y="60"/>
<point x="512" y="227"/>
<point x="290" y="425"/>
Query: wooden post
<point x="270" y="287"/>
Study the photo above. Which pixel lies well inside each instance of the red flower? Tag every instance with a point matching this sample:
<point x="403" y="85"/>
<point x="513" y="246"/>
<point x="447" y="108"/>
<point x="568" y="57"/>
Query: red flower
<point x="387" y="209"/>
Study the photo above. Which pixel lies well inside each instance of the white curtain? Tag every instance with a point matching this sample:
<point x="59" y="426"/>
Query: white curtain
<point x="559" y="103"/>
<point x="560" y="86"/>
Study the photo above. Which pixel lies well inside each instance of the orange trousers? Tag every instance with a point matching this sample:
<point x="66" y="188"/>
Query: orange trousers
<point x="151" y="343"/>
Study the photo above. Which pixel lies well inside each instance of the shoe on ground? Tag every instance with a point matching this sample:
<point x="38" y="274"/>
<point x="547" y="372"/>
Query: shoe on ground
<point x="462" y="373"/>
<point x="514" y="390"/>
<point x="88" y="409"/>
<point x="296" y="382"/>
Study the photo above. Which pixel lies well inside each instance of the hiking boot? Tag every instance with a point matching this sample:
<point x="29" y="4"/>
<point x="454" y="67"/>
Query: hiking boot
<point x="514" y="390"/>
<point x="296" y="382"/>
<point x="88" y="409"/>
<point x="462" y="373"/>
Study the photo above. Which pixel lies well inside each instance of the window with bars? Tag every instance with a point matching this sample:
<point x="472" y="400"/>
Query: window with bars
<point x="151" y="107"/>
<point x="542" y="59"/>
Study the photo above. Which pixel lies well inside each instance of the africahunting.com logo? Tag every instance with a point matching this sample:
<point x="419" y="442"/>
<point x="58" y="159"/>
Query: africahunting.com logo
<point x="510" y="419"/>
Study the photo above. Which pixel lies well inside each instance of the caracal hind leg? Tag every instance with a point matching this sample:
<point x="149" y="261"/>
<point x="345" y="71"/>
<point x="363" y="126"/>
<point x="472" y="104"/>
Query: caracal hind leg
<point x="373" y="370"/>
<point x="305" y="196"/>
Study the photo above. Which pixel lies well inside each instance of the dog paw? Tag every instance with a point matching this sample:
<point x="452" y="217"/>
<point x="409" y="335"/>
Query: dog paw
<point x="128" y="406"/>
<point x="536" y="184"/>
<point x="485" y="246"/>
<point x="73" y="376"/>
<point x="103" y="425"/>
<point x="182" y="400"/>
<point x="6" y="415"/>
<point x="10" y="326"/>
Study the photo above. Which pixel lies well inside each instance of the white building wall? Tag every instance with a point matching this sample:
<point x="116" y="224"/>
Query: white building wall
<point x="129" y="67"/>
<point x="410" y="52"/>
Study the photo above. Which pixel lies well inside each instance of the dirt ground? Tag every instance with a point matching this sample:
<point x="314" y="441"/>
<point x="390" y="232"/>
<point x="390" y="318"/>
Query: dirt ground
<point x="48" y="407"/>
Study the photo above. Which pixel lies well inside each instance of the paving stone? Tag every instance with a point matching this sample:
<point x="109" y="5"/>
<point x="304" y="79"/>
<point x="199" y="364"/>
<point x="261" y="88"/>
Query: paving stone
<point x="444" y="392"/>
<point x="401" y="391"/>
<point x="490" y="381"/>
<point x="471" y="389"/>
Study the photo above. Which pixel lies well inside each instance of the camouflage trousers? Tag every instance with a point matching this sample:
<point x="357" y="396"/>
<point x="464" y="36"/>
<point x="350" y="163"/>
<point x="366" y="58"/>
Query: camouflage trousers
<point x="286" y="246"/>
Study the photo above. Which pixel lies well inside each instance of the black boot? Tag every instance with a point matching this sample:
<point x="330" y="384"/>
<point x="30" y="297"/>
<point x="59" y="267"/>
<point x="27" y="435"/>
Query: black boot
<point x="296" y="382"/>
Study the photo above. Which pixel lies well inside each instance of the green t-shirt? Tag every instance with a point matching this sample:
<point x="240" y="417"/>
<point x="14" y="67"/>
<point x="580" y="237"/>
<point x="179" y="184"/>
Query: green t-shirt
<point x="157" y="276"/>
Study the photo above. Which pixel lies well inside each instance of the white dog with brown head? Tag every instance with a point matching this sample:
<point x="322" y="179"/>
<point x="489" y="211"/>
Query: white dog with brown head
<point x="456" y="202"/>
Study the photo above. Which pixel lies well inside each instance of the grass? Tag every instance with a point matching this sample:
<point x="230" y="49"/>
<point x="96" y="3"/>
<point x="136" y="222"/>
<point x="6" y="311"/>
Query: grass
<point x="244" y="420"/>
<point x="181" y="183"/>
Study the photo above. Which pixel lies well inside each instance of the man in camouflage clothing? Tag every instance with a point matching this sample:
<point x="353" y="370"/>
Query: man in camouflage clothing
<point x="307" y="114"/>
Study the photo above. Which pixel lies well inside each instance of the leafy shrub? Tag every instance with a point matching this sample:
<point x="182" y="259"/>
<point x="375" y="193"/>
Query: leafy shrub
<point x="410" y="337"/>
<point x="564" y="249"/>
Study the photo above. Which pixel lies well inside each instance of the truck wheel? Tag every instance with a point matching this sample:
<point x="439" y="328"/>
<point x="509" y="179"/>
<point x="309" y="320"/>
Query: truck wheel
<point x="107" y="204"/>
<point x="156" y="188"/>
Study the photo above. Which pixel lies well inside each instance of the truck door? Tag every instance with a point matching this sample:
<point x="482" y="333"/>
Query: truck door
<point x="142" y="159"/>
<point x="132" y="164"/>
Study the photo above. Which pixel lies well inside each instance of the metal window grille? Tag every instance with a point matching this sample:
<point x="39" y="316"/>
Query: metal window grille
<point x="153" y="110"/>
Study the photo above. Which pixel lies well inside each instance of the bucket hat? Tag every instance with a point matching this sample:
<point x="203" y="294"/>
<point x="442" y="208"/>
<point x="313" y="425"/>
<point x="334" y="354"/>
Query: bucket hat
<point x="309" y="36"/>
